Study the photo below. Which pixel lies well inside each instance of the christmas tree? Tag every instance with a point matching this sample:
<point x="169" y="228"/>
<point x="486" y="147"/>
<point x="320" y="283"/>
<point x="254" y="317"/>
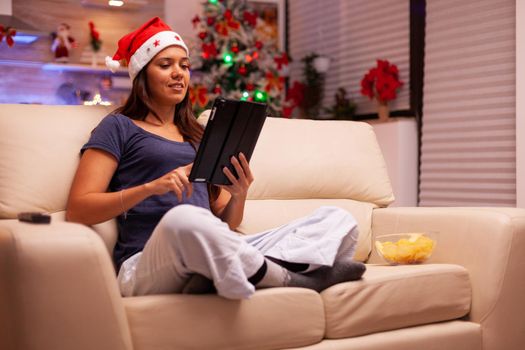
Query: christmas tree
<point x="234" y="59"/>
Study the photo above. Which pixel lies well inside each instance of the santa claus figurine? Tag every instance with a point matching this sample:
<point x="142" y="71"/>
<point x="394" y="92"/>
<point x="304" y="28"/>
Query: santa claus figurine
<point x="62" y="43"/>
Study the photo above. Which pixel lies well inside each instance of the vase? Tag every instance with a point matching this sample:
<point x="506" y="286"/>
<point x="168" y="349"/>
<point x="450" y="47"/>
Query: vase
<point x="94" y="59"/>
<point x="383" y="112"/>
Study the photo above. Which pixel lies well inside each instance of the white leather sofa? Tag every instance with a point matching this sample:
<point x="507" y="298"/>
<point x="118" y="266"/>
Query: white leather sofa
<point x="58" y="287"/>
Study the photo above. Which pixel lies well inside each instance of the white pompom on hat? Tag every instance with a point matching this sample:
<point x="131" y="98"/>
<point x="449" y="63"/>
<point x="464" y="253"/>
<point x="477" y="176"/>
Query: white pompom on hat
<point x="137" y="48"/>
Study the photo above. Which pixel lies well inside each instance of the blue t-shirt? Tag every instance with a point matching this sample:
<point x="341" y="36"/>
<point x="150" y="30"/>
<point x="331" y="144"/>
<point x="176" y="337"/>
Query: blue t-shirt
<point x="142" y="157"/>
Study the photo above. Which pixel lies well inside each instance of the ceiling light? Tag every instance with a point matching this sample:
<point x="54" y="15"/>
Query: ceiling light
<point x="116" y="3"/>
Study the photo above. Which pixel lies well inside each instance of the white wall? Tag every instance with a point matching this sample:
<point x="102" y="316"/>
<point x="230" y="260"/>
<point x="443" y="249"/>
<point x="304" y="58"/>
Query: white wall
<point x="6" y="7"/>
<point x="178" y="15"/>
<point x="398" y="142"/>
<point x="520" y="103"/>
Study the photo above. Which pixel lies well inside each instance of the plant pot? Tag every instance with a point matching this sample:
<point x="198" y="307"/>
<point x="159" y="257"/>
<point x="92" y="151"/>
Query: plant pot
<point x="383" y="112"/>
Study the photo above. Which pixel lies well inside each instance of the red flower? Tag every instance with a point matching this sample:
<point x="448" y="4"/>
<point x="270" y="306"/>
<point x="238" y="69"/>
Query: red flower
<point x="296" y="94"/>
<point x="199" y="95"/>
<point x="221" y="29"/>
<point x="381" y="82"/>
<point x="250" y="18"/>
<point x="95" y="41"/>
<point x="281" y="60"/>
<point x="287" y="111"/>
<point x="273" y="82"/>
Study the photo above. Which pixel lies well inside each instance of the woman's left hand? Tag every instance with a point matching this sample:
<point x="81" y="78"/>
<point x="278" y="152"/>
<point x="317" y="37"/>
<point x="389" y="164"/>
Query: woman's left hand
<point x="239" y="187"/>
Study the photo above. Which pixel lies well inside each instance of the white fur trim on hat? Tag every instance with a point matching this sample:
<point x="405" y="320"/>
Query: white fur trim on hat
<point x="151" y="47"/>
<point x="112" y="64"/>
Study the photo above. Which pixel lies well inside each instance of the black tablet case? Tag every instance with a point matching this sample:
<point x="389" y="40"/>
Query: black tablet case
<point x="233" y="127"/>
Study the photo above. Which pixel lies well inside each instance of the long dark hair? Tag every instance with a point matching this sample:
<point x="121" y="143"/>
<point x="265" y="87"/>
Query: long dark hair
<point x="138" y="106"/>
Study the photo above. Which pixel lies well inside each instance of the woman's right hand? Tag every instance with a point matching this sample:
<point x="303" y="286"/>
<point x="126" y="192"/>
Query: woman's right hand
<point x="175" y="181"/>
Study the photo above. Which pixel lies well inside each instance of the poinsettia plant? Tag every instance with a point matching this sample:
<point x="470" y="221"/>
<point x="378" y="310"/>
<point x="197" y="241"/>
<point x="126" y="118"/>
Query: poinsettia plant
<point x="381" y="82"/>
<point x="94" y="35"/>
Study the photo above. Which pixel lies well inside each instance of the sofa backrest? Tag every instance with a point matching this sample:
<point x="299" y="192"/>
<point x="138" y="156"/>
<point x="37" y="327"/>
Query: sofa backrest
<point x="303" y="159"/>
<point x="298" y="165"/>
<point x="39" y="153"/>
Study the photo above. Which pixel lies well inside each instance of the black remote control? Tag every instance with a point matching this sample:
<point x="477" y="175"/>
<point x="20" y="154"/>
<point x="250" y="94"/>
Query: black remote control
<point x="34" y="217"/>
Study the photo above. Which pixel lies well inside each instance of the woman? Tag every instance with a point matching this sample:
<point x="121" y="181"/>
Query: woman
<point x="135" y="167"/>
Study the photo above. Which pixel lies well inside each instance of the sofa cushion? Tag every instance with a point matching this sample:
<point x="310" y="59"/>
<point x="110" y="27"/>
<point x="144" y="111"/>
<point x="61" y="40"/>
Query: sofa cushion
<point x="260" y="215"/>
<point x="272" y="318"/>
<point x="39" y="153"/>
<point x="392" y="297"/>
<point x="297" y="159"/>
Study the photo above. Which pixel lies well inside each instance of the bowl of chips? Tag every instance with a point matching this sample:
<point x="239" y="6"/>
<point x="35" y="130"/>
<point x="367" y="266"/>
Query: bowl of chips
<point x="406" y="248"/>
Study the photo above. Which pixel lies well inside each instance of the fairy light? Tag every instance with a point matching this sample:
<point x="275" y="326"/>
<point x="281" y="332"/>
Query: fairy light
<point x="260" y="96"/>
<point x="97" y="100"/>
<point x="227" y="58"/>
<point x="245" y="95"/>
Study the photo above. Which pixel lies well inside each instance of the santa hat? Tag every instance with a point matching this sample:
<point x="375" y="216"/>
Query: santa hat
<point x="137" y="48"/>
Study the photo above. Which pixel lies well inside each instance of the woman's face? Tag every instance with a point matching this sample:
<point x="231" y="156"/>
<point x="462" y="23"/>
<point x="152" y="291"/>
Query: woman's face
<point x="168" y="76"/>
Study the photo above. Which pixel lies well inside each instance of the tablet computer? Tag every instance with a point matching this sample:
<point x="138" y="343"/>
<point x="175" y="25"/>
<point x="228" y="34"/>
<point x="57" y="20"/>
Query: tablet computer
<point x="233" y="127"/>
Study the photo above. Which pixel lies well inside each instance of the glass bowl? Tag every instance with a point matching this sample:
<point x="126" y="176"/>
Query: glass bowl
<point x="406" y="248"/>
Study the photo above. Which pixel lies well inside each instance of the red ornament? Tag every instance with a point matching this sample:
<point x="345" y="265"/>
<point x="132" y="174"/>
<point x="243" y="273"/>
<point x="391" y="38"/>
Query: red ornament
<point x="259" y="45"/>
<point x="217" y="90"/>
<point x="243" y="70"/>
<point x="250" y="18"/>
<point x="250" y="87"/>
<point x="228" y="14"/>
<point x="210" y="20"/>
<point x="203" y="35"/>
<point x="209" y="50"/>
<point x="235" y="49"/>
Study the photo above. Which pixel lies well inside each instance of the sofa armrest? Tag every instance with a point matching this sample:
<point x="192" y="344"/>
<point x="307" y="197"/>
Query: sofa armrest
<point x="59" y="289"/>
<point x="490" y="244"/>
